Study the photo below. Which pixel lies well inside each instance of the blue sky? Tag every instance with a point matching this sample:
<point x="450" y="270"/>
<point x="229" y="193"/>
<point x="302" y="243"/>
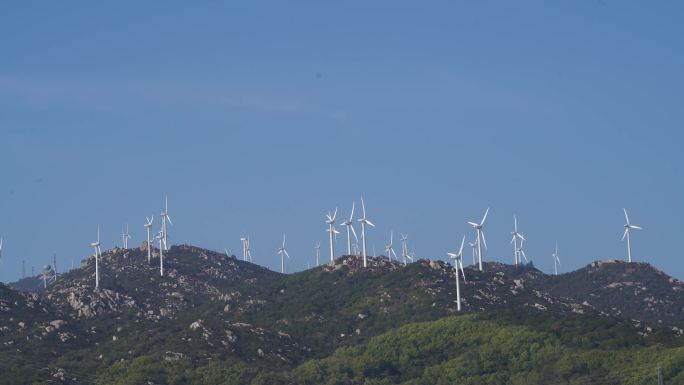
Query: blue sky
<point x="259" y="117"/>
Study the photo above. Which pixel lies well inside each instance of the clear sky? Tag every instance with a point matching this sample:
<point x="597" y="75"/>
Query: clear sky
<point x="259" y="117"/>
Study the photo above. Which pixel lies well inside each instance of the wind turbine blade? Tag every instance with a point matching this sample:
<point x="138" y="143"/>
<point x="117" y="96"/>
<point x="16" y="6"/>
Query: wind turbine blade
<point x="363" y="206"/>
<point x="351" y="216"/>
<point x="460" y="250"/>
<point x="460" y="264"/>
<point x="485" y="217"/>
<point x="369" y="223"/>
<point x="354" y="232"/>
<point x="515" y="221"/>
<point x="473" y="224"/>
<point x="484" y="241"/>
<point x="635" y="227"/>
<point x="522" y="237"/>
<point x="626" y="216"/>
<point x="624" y="235"/>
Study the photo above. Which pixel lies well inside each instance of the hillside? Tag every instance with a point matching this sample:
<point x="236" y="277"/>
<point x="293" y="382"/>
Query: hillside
<point x="210" y="310"/>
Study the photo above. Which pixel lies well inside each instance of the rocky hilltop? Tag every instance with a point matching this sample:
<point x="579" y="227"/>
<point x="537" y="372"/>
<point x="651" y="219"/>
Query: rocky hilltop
<point x="210" y="306"/>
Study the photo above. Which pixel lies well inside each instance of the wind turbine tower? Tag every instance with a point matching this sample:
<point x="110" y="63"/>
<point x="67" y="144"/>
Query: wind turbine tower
<point x="160" y="236"/>
<point x="479" y="229"/>
<point x="318" y="253"/>
<point x="166" y="218"/>
<point x="364" y="221"/>
<point x="98" y="253"/>
<point x="350" y="230"/>
<point x="125" y="237"/>
<point x="54" y="264"/>
<point x="332" y="232"/>
<point x="243" y="239"/>
<point x="458" y="264"/>
<point x="628" y="228"/>
<point x="148" y="227"/>
<point x="282" y="252"/>
<point x="556" y="259"/>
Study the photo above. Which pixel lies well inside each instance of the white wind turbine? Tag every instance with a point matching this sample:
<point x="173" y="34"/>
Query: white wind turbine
<point x="148" y="227"/>
<point x="473" y="246"/>
<point x="364" y="221"/>
<point x="160" y="236"/>
<point x="389" y="249"/>
<point x="244" y="248"/>
<point x="516" y="235"/>
<point x="249" y="250"/>
<point x="479" y="228"/>
<point x="405" y="255"/>
<point x="332" y="231"/>
<point x="458" y="264"/>
<point x="165" y="218"/>
<point x="556" y="259"/>
<point x="125" y="237"/>
<point x="318" y="253"/>
<point x="282" y="252"/>
<point x="98" y="253"/>
<point x="628" y="227"/>
<point x="350" y="230"/>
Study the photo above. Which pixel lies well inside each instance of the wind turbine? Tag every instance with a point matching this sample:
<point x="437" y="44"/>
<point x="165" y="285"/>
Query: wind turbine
<point x="318" y="253"/>
<point x="165" y="217"/>
<point x="98" y="253"/>
<point x="160" y="236"/>
<point x="125" y="237"/>
<point x="249" y="251"/>
<point x="148" y="227"/>
<point x="404" y="249"/>
<point x="458" y="263"/>
<point x="332" y="231"/>
<point x="516" y="235"/>
<point x="389" y="249"/>
<point x="283" y="253"/>
<point x="1" y="250"/>
<point x="244" y="247"/>
<point x="628" y="228"/>
<point x="556" y="259"/>
<point x="364" y="221"/>
<point x="350" y="230"/>
<point x="479" y="228"/>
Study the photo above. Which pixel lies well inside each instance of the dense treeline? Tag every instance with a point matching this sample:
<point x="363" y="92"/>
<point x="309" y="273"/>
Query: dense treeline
<point x="468" y="349"/>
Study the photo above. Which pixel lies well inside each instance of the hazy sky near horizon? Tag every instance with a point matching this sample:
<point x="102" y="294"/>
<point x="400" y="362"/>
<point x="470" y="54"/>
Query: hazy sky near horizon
<point x="259" y="117"/>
